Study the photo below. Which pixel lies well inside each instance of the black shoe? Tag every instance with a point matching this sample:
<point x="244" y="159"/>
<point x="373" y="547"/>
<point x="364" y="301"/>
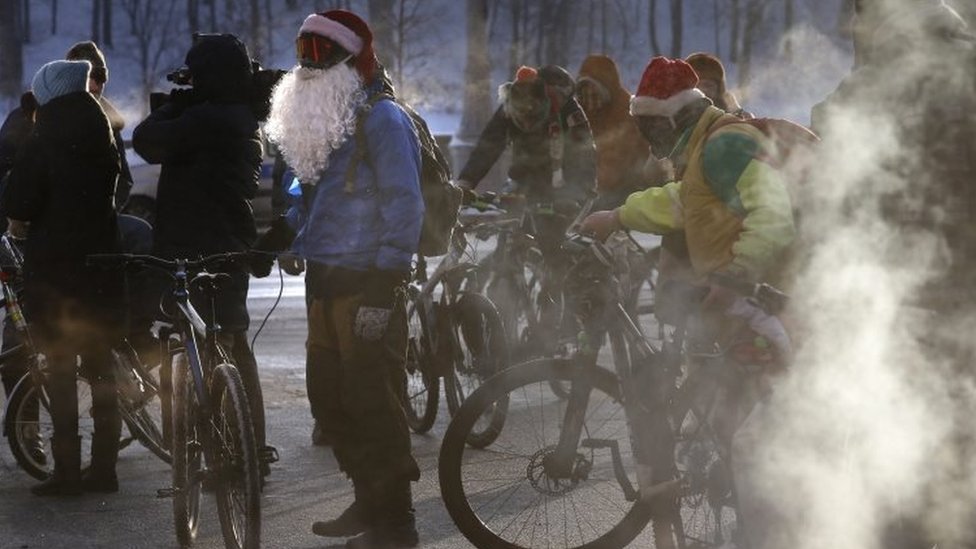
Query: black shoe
<point x="349" y="523"/>
<point x="66" y="479"/>
<point x="319" y="436"/>
<point x="103" y="483"/>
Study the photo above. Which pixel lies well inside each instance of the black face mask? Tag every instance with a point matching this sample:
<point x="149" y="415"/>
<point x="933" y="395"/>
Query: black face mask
<point x="660" y="132"/>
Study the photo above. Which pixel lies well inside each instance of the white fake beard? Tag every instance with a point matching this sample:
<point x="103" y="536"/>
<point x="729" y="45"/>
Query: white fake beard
<point x="313" y="112"/>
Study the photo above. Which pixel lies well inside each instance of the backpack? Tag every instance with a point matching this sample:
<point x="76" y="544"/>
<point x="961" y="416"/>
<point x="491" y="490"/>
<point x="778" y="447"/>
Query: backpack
<point x="442" y="198"/>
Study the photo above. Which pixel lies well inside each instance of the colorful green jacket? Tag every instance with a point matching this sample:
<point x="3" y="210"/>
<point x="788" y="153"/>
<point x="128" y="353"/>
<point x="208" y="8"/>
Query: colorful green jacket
<point x="734" y="208"/>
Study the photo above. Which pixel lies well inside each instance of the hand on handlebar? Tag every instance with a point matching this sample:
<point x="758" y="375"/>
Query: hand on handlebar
<point x="601" y="224"/>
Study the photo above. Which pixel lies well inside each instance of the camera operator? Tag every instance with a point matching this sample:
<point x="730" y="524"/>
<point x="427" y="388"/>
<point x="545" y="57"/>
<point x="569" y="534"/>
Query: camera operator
<point x="206" y="138"/>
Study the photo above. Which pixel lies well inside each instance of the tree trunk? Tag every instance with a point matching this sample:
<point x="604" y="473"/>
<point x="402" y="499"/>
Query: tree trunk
<point x="193" y="15"/>
<point x="603" y="26"/>
<point x="677" y="26"/>
<point x="269" y="26"/>
<point x="717" y="19"/>
<point x="213" y="15"/>
<point x="96" y="19"/>
<point x="754" y="14"/>
<point x="255" y="29"/>
<point x="107" y="23"/>
<point x="734" y="32"/>
<point x="382" y="23"/>
<point x="477" y="72"/>
<point x="517" y="46"/>
<point x="652" y="27"/>
<point x="11" y="50"/>
<point x="788" y="21"/>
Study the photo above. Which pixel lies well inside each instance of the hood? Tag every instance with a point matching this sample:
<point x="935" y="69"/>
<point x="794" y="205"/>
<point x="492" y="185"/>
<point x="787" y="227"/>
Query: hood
<point x="220" y="66"/>
<point x="602" y="70"/>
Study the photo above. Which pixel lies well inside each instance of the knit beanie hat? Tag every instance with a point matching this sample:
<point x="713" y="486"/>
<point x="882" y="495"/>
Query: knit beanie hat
<point x="667" y="86"/>
<point x="349" y="31"/>
<point x="59" y="78"/>
<point x="88" y="51"/>
<point x="708" y="67"/>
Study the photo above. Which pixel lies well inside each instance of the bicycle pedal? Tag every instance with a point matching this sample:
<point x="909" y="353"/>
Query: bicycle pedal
<point x="163" y="493"/>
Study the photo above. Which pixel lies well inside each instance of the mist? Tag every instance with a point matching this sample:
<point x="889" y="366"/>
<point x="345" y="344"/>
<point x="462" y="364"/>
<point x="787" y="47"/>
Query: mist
<point x="866" y="441"/>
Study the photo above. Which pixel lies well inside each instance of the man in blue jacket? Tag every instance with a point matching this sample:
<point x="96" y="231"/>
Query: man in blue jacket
<point x="357" y="231"/>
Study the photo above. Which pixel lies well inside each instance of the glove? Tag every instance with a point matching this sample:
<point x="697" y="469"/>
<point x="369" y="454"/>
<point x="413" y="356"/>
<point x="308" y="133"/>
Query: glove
<point x="379" y="296"/>
<point x="291" y="264"/>
<point x="260" y="263"/>
<point x="601" y="224"/>
<point x="278" y="238"/>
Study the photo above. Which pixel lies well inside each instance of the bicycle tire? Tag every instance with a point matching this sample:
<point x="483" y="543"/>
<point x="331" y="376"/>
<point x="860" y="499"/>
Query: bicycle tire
<point x="26" y="435"/>
<point x="484" y="352"/>
<point x="485" y="516"/>
<point x="187" y="454"/>
<point x="139" y="402"/>
<point x="235" y="457"/>
<point x="421" y="392"/>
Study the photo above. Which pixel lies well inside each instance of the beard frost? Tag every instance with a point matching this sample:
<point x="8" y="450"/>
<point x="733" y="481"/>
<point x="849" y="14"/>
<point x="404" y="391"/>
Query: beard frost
<point x="313" y="112"/>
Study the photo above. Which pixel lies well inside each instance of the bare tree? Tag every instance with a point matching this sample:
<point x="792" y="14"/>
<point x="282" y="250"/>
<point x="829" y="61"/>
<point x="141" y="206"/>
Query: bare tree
<point x="381" y="20"/>
<point x="717" y="18"/>
<point x="107" y="23"/>
<point x="193" y="15"/>
<point x="96" y="19"/>
<point x="788" y="22"/>
<point x="154" y="26"/>
<point x="477" y="72"/>
<point x="24" y="22"/>
<point x="755" y="9"/>
<point x="652" y="27"/>
<point x="516" y="46"/>
<point x="11" y="50"/>
<point x="677" y="26"/>
<point x="734" y="23"/>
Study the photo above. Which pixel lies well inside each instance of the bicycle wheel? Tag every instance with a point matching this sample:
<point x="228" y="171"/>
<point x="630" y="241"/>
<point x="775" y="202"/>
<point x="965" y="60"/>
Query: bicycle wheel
<point x="139" y="402"/>
<point x="483" y="352"/>
<point x="707" y="507"/>
<point x="29" y="428"/>
<point x="422" y="391"/>
<point x="502" y="497"/>
<point x="235" y="461"/>
<point x="187" y="453"/>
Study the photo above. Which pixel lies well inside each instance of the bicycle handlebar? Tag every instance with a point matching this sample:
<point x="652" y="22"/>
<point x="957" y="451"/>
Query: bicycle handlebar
<point x="121" y="261"/>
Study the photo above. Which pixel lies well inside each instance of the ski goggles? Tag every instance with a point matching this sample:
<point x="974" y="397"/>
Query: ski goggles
<point x="318" y="52"/>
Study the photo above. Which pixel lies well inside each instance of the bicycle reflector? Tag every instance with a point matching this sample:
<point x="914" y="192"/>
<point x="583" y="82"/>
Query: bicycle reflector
<point x="318" y="52"/>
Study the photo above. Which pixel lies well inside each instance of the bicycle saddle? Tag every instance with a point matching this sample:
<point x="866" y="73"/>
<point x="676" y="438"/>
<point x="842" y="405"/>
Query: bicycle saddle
<point x="211" y="283"/>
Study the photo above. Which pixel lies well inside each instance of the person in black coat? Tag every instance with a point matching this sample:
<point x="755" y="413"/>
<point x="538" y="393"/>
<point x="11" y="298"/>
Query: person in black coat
<point x="206" y="139"/>
<point x="61" y="188"/>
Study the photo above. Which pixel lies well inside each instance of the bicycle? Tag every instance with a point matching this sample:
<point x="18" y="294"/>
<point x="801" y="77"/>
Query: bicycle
<point x="27" y="418"/>
<point x="211" y="420"/>
<point x="453" y="334"/>
<point x="631" y="445"/>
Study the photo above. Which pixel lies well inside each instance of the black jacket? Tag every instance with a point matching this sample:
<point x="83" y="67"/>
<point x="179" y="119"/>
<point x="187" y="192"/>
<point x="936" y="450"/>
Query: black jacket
<point x="211" y="159"/>
<point x="63" y="183"/>
<point x="532" y="157"/>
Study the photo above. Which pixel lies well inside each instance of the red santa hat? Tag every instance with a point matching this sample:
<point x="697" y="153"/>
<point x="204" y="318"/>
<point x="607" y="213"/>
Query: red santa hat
<point x="667" y="86"/>
<point x="349" y="31"/>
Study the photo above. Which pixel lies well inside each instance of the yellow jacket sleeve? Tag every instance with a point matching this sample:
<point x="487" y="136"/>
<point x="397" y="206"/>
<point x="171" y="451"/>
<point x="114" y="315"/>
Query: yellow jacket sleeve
<point x="654" y="210"/>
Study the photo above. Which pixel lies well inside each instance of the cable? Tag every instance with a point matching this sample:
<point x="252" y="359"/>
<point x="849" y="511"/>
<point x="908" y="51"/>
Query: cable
<point x="281" y="291"/>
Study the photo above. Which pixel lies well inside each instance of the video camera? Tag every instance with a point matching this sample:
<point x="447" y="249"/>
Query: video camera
<point x="257" y="92"/>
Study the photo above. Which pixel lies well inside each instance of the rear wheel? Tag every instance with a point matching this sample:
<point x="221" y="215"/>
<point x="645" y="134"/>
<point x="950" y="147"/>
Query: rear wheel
<point x="29" y="428"/>
<point x="187" y="453"/>
<point x="235" y="461"/>
<point x="506" y="496"/>
<point x="422" y="391"/>
<point x="482" y="352"/>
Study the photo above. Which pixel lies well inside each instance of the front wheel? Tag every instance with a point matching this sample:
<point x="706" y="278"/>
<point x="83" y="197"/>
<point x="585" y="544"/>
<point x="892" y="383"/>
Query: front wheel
<point x="482" y="352"/>
<point x="235" y="461"/>
<point x="422" y="391"/>
<point x="187" y="453"/>
<point x="505" y="497"/>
